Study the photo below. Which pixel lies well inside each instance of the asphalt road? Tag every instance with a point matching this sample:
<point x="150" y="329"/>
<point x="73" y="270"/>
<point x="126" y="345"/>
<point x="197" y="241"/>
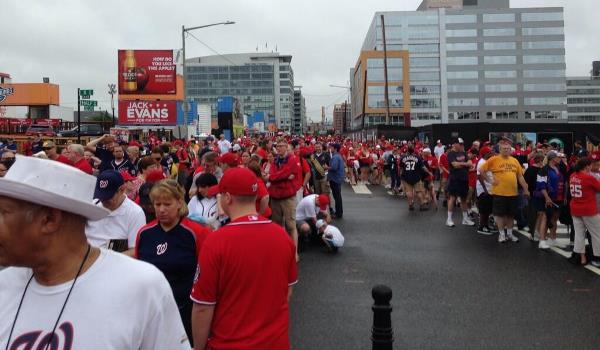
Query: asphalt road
<point x="453" y="288"/>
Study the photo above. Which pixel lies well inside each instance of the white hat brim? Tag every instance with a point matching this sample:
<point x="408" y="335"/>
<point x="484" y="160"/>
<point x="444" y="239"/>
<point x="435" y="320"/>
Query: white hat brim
<point x="35" y="195"/>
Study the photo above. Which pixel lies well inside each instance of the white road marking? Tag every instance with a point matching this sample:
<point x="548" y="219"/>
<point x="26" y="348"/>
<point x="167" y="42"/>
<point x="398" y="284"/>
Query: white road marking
<point x="361" y="189"/>
<point x="562" y="252"/>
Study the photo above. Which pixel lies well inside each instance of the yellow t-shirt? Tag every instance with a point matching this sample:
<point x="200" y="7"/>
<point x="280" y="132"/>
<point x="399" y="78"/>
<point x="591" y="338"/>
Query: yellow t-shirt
<point x="505" y="171"/>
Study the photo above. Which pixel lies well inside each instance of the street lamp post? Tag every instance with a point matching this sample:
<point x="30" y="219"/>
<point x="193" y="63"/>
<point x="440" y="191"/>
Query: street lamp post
<point x="349" y="88"/>
<point x="183" y="31"/>
<point x="112" y="90"/>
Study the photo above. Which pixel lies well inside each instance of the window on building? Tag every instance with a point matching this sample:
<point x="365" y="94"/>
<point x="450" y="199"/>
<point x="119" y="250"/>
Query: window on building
<point x="584" y="109"/>
<point x="544" y="31"/>
<point x="499" y="46"/>
<point x="423" y="48"/>
<point x="425" y="103"/>
<point x="460" y="102"/>
<point x="501" y="101"/>
<point x="543" y="45"/>
<point x="544" y="87"/>
<point x="461" y="19"/>
<point x="499" y="32"/>
<point x="500" y="60"/>
<point x="421" y="62"/>
<point x="463" y="88"/>
<point x="543" y="101"/>
<point x="498" y="17"/>
<point x="501" y="88"/>
<point x="500" y="74"/>
<point x="424" y="90"/>
<point x="463" y="115"/>
<point x="462" y="75"/>
<point x="543" y="59"/>
<point x="544" y="73"/>
<point x="541" y="16"/>
<point x="423" y="33"/>
<point x="457" y="33"/>
<point x="507" y="115"/>
<point x="425" y="76"/>
<point x="462" y="61"/>
<point x="584" y="100"/>
<point x="461" y="46"/>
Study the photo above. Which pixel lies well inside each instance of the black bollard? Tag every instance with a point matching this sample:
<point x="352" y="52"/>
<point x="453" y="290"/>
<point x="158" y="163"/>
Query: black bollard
<point x="382" y="334"/>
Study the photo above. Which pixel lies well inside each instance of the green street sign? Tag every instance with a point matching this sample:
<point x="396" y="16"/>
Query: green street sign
<point x="88" y="108"/>
<point x="88" y="103"/>
<point x="86" y="92"/>
<point x="85" y="97"/>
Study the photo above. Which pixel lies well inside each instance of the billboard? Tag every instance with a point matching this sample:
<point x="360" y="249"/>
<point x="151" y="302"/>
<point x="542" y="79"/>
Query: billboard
<point x="29" y="94"/>
<point x="146" y="72"/>
<point x="147" y="112"/>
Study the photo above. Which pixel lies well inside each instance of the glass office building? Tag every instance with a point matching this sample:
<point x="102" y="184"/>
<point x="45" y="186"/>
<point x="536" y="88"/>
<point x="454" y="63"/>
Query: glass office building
<point x="480" y="61"/>
<point x="583" y="99"/>
<point x="262" y="82"/>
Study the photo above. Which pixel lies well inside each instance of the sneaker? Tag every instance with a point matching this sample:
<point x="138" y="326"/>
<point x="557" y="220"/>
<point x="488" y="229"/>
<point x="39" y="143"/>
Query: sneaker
<point x="468" y="222"/>
<point x="536" y="237"/>
<point x="484" y="230"/>
<point x="391" y="193"/>
<point x="492" y="229"/>
<point x="449" y="223"/>
<point x="554" y="243"/>
<point x="501" y="237"/>
<point x="544" y="245"/>
<point x="595" y="263"/>
<point x="411" y="207"/>
<point x="424" y="207"/>
<point x="512" y="237"/>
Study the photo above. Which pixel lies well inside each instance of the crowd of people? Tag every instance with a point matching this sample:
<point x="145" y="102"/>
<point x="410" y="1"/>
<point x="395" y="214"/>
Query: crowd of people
<point x="201" y="238"/>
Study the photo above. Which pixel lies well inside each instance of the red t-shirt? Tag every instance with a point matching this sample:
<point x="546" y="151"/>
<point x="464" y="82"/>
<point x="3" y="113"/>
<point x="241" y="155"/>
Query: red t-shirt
<point x="245" y="269"/>
<point x="432" y="165"/>
<point x="84" y="166"/>
<point x="63" y="159"/>
<point x="583" y="189"/>
<point x="303" y="169"/>
<point x="262" y="192"/>
<point x="444" y="163"/>
<point x="473" y="173"/>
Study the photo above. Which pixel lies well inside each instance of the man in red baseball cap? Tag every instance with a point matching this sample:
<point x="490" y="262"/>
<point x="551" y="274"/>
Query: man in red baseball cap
<point x="245" y="275"/>
<point x="228" y="160"/>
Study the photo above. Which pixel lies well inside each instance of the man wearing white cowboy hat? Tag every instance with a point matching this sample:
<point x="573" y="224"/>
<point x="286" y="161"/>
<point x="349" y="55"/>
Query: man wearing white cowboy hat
<point x="60" y="292"/>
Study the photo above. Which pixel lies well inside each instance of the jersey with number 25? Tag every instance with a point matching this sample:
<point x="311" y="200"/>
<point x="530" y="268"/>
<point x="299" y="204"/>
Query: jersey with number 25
<point x="583" y="189"/>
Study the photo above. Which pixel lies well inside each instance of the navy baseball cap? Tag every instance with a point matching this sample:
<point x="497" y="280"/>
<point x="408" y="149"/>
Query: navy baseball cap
<point x="108" y="184"/>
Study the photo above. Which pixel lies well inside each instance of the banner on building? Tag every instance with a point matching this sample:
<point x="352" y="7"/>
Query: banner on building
<point x="147" y="112"/>
<point x="146" y="72"/>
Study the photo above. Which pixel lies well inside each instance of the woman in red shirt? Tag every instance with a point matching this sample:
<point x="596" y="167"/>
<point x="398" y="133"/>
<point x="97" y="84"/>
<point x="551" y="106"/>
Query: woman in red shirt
<point x="584" y="208"/>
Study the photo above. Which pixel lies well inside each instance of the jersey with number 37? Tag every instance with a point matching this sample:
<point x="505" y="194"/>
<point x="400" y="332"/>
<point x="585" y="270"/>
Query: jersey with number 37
<point x="412" y="168"/>
<point x="583" y="188"/>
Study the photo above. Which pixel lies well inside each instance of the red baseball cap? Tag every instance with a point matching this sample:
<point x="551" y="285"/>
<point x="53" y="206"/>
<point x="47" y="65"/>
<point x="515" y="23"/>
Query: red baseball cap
<point x="155" y="176"/>
<point x="236" y="182"/>
<point x="229" y="159"/>
<point x="484" y="150"/>
<point x="323" y="201"/>
<point x="127" y="176"/>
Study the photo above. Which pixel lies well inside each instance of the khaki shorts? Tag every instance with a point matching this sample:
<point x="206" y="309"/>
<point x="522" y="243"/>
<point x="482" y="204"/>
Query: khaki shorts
<point x="418" y="187"/>
<point x="284" y="213"/>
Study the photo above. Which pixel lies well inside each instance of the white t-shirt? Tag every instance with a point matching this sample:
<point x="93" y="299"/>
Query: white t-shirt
<point x="307" y="209"/>
<point x="438" y="151"/>
<point x="489" y="179"/>
<point x="224" y="146"/>
<point x="206" y="208"/>
<point x="123" y="223"/>
<point x="334" y="235"/>
<point x="118" y="303"/>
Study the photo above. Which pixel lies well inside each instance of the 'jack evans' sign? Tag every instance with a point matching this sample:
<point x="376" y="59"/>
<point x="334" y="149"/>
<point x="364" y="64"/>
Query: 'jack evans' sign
<point x="147" y="112"/>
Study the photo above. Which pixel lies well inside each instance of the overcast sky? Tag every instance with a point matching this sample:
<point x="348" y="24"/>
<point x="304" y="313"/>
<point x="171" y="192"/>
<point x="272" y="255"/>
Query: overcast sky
<point x="75" y="42"/>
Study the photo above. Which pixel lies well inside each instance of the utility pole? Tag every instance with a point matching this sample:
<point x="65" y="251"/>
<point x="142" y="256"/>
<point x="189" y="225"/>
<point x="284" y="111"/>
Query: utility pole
<point x="78" y="116"/>
<point x="112" y="90"/>
<point x="385" y="74"/>
<point x="183" y="31"/>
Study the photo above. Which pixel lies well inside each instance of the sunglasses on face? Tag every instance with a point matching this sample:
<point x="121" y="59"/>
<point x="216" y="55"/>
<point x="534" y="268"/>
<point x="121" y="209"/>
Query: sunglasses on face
<point x="46" y="148"/>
